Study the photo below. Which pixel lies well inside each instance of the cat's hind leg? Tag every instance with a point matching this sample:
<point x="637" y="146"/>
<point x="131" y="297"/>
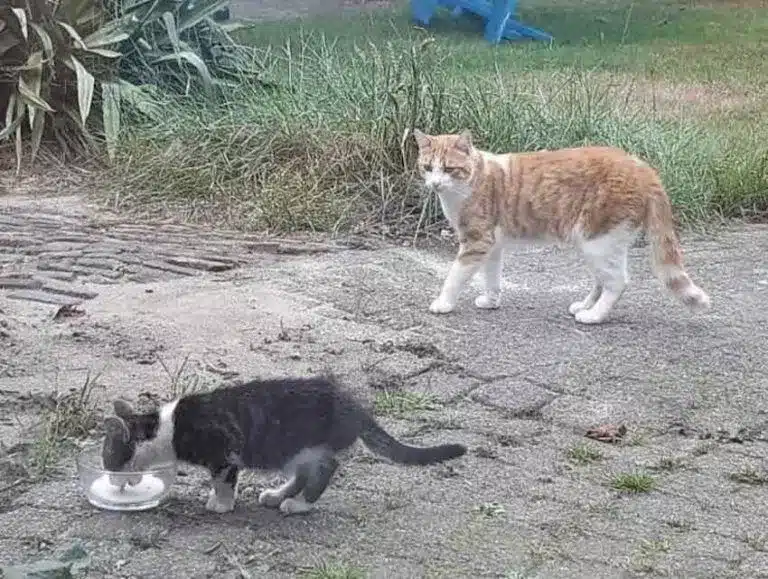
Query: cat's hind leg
<point x="607" y="257"/>
<point x="319" y="478"/>
<point x="223" y="494"/>
<point x="319" y="465"/>
<point x="293" y="486"/>
<point x="492" y="267"/>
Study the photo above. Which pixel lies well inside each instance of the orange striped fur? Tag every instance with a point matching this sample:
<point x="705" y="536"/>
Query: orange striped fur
<point x="597" y="198"/>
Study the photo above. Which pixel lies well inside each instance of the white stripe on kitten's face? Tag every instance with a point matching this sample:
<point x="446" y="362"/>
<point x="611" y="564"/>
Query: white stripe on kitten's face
<point x="157" y="450"/>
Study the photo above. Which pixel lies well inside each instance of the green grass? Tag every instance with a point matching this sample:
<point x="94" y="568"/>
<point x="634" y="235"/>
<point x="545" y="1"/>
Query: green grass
<point x="490" y="510"/>
<point x="71" y="416"/>
<point x="584" y="454"/>
<point x="323" y="150"/>
<point x="402" y="403"/>
<point x="633" y="482"/>
<point x="334" y="571"/>
<point x="749" y="476"/>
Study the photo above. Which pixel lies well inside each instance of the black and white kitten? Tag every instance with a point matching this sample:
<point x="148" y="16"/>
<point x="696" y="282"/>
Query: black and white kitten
<point x="296" y="425"/>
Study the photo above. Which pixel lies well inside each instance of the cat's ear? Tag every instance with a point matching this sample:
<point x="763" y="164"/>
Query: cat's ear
<point x="464" y="142"/>
<point x="422" y="139"/>
<point x="123" y="409"/>
<point x="117" y="429"/>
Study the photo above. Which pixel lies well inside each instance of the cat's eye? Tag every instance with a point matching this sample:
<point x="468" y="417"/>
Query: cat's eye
<point x="427" y="167"/>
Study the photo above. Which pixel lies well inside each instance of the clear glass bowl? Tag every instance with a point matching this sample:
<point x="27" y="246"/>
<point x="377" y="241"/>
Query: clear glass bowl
<point x="122" y="491"/>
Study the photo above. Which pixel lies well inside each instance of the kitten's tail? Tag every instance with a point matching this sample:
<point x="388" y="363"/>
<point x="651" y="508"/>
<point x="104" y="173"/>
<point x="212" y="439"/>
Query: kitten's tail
<point x="668" y="255"/>
<point x="384" y="444"/>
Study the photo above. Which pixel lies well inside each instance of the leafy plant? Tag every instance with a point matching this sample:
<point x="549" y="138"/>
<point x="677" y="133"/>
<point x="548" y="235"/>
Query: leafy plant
<point x="65" y="61"/>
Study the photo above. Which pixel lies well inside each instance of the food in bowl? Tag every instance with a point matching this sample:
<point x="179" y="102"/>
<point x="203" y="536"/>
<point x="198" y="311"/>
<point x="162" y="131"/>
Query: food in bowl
<point x="123" y="491"/>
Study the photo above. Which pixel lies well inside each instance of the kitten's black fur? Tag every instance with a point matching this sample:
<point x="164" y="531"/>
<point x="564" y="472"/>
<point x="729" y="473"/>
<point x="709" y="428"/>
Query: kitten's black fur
<point x="296" y="424"/>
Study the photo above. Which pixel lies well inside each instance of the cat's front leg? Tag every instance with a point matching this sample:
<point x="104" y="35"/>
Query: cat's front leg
<point x="223" y="493"/>
<point x="469" y="259"/>
<point x="491" y="298"/>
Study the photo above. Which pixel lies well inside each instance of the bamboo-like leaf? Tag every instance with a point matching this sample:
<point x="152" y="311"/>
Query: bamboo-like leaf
<point x="45" y="40"/>
<point x="195" y="61"/>
<point x="21" y="16"/>
<point x="104" y="52"/>
<point x="150" y="13"/>
<point x="202" y="10"/>
<point x="30" y="98"/>
<point x="11" y="120"/>
<point x="110" y="108"/>
<point x="19" y="148"/>
<point x="9" y="129"/>
<point x="75" y="8"/>
<point x="170" y="25"/>
<point x="10" y="109"/>
<point x="112" y="32"/>
<point x="85" y="85"/>
<point x="91" y="14"/>
<point x="73" y="33"/>
<point x="139" y="98"/>
<point x="138" y="6"/>
<point x="33" y="76"/>
<point x="37" y="135"/>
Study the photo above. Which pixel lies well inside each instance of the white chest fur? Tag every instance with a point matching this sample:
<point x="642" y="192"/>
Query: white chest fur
<point x="451" y="201"/>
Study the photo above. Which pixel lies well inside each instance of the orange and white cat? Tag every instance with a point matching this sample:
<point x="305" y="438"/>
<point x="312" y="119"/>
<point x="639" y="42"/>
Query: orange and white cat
<point x="597" y="198"/>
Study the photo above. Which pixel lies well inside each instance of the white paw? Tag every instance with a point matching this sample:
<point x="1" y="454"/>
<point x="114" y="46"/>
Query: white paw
<point x="294" y="507"/>
<point x="121" y="480"/>
<point x="576" y="307"/>
<point x="589" y="317"/>
<point x="270" y="498"/>
<point x="441" y="306"/>
<point x="486" y="302"/>
<point x="218" y="504"/>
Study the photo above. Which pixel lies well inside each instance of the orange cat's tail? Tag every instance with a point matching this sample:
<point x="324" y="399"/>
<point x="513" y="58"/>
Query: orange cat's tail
<point x="668" y="255"/>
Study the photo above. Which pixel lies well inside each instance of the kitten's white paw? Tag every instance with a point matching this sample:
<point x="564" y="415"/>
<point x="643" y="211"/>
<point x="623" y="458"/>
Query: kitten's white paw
<point x="218" y="504"/>
<point x="441" y="306"/>
<point x="486" y="302"/>
<point x="121" y="480"/>
<point x="270" y="498"/>
<point x="590" y="317"/>
<point x="294" y="506"/>
<point x="576" y="307"/>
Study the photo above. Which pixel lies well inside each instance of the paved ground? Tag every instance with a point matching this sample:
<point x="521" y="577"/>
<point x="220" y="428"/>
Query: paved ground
<point x="520" y="386"/>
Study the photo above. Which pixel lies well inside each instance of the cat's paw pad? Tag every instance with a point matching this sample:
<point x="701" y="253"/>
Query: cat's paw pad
<point x="441" y="306"/>
<point x="486" y="302"/>
<point x="219" y="504"/>
<point x="589" y="317"/>
<point x="270" y="498"/>
<point x="294" y="507"/>
<point x="576" y="307"/>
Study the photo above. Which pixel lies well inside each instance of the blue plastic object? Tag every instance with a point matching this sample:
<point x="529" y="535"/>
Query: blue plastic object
<point x="499" y="17"/>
